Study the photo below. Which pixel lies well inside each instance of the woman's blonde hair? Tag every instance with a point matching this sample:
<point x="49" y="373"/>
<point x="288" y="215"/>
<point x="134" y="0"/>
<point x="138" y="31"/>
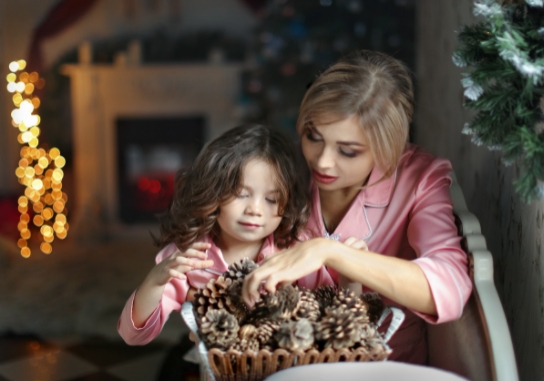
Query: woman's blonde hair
<point x="376" y="87"/>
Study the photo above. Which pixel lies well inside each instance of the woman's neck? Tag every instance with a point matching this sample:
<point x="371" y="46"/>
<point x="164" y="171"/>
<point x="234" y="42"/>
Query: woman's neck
<point x="233" y="250"/>
<point x="335" y="205"/>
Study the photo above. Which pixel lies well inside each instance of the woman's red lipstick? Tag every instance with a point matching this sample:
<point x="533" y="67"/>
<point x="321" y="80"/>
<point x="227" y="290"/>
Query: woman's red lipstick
<point x="324" y="179"/>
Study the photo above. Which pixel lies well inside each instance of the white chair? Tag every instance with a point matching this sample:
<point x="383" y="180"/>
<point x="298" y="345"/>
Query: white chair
<point x="478" y="346"/>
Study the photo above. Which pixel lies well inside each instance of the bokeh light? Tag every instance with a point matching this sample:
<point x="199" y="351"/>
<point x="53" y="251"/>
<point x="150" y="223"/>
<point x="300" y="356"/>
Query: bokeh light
<point x="39" y="171"/>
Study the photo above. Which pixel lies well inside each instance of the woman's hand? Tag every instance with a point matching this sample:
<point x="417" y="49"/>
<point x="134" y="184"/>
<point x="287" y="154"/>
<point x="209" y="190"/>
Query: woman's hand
<point x="285" y="267"/>
<point x="178" y="263"/>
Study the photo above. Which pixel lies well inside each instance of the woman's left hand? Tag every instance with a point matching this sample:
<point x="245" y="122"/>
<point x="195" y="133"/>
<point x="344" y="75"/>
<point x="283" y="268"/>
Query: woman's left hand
<point x="285" y="267"/>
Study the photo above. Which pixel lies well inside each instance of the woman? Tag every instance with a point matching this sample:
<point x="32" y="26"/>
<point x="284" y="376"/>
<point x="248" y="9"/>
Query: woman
<point x="381" y="212"/>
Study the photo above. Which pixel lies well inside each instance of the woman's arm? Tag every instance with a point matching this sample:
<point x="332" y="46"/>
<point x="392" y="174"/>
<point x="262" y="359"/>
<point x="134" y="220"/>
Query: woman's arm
<point x="397" y="279"/>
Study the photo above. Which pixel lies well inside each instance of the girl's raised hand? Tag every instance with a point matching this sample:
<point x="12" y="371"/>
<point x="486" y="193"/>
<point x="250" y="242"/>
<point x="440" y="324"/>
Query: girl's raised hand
<point x="178" y="263"/>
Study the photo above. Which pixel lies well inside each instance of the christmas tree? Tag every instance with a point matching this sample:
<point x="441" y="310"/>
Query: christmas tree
<point x="505" y="85"/>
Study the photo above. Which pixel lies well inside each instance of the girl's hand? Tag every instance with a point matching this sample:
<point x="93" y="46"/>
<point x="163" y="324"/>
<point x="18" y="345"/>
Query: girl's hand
<point x="285" y="267"/>
<point x="356" y="243"/>
<point x="177" y="264"/>
<point x="149" y="294"/>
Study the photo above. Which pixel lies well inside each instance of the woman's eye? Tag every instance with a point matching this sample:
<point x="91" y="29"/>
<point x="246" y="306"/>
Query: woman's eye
<point x="271" y="200"/>
<point x="243" y="195"/>
<point x="348" y="153"/>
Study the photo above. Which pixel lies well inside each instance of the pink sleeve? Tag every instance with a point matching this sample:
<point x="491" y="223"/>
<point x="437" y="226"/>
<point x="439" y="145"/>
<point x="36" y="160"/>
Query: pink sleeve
<point x="433" y="235"/>
<point x="173" y="297"/>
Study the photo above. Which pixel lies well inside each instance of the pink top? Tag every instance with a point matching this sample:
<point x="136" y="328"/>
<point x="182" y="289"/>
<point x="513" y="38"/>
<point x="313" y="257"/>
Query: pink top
<point x="409" y="216"/>
<point x="175" y="291"/>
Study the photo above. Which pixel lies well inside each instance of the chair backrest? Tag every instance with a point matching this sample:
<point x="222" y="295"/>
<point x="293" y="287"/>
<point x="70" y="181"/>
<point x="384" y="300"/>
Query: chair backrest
<point x="477" y="346"/>
<point x="462" y="346"/>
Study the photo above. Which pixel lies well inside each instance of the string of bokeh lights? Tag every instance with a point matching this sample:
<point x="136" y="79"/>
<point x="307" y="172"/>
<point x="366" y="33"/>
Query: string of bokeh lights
<point x="43" y="203"/>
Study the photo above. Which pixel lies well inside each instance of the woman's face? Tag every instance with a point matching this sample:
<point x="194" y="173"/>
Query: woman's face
<point x="338" y="154"/>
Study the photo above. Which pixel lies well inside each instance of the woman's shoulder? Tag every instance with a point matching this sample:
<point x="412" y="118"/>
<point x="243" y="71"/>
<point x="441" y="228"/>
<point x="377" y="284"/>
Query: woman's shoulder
<point x="416" y="159"/>
<point x="422" y="168"/>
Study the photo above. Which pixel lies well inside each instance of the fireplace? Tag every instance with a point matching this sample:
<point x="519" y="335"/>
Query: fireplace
<point x="147" y="162"/>
<point x="196" y="100"/>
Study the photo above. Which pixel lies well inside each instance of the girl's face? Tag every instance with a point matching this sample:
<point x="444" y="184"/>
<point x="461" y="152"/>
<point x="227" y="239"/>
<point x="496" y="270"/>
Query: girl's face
<point x="338" y="155"/>
<point x="253" y="214"/>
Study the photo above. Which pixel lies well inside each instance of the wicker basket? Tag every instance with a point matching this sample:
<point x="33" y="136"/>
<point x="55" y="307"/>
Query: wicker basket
<point x="233" y="365"/>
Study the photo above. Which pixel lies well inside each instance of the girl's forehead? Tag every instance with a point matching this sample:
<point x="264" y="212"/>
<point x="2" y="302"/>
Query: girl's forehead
<point x="259" y="169"/>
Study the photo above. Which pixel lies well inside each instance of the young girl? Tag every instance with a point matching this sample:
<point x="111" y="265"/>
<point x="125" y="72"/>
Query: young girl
<point x="369" y="184"/>
<point x="242" y="198"/>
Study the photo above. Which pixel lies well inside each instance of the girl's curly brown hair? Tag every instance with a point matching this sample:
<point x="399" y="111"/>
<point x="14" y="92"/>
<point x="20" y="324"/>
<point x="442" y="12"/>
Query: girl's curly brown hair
<point x="216" y="177"/>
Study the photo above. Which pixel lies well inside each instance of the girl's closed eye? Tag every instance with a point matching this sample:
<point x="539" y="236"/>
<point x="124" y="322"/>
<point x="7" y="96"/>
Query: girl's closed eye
<point x="313" y="136"/>
<point x="243" y="194"/>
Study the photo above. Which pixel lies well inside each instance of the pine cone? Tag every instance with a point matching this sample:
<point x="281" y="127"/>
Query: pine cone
<point x="238" y="270"/>
<point x="307" y="307"/>
<point x="279" y="305"/>
<point x="243" y="345"/>
<point x="348" y="300"/>
<point x="212" y="296"/>
<point x="338" y="329"/>
<point x="325" y="297"/>
<point x="295" y="335"/>
<point x="375" y="305"/>
<point x="266" y="331"/>
<point x="247" y="339"/>
<point x="234" y="301"/>
<point x="373" y="342"/>
<point x="219" y="329"/>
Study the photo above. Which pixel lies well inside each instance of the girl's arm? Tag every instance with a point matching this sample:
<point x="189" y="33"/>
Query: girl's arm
<point x="150" y="305"/>
<point x="397" y="279"/>
<point x="149" y="294"/>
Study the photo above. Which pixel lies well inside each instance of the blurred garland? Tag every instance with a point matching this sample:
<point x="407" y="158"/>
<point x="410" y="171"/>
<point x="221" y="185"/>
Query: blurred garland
<point x="295" y="40"/>
<point x="506" y="85"/>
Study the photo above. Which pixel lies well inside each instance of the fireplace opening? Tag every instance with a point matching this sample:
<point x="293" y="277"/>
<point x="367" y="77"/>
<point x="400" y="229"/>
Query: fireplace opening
<point x="150" y="151"/>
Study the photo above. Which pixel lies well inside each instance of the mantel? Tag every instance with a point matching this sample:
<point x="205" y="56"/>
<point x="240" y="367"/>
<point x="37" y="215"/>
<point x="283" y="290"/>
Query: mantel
<point x="100" y="94"/>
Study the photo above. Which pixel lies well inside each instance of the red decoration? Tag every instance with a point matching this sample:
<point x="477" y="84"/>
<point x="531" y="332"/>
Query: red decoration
<point x="60" y="17"/>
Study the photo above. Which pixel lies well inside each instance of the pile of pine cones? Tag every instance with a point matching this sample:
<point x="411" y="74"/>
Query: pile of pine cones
<point x="292" y="318"/>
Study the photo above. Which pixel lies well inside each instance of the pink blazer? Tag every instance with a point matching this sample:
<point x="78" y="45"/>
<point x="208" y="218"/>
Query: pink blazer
<point x="175" y="291"/>
<point x="409" y="216"/>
